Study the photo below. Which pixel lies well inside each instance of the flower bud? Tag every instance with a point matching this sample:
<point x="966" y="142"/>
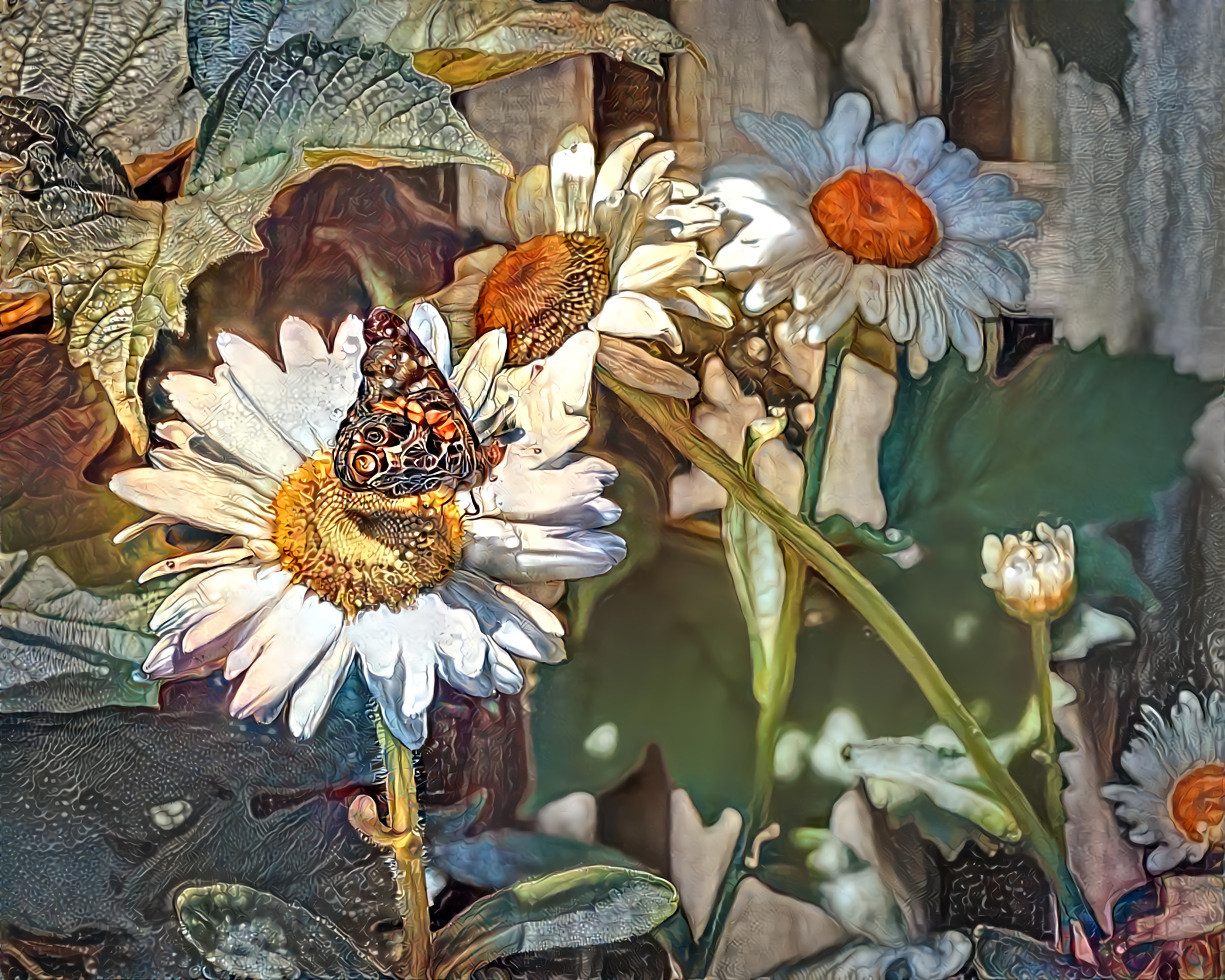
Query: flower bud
<point x="1034" y="575"/>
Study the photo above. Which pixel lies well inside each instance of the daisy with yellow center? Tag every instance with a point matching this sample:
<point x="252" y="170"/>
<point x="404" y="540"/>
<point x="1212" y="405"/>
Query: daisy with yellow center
<point x="598" y="248"/>
<point x="896" y="225"/>
<point x="1177" y="767"/>
<point x="314" y="575"/>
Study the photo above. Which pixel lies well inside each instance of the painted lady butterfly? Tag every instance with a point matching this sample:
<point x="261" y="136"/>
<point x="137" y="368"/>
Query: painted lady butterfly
<point x="407" y="433"/>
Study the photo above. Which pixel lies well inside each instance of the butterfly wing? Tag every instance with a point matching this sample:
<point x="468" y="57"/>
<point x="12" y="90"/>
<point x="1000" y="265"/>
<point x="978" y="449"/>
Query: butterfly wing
<point x="407" y="433"/>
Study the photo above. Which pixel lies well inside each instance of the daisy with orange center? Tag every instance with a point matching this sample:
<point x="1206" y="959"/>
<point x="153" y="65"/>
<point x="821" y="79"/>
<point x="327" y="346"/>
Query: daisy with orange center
<point x="606" y="249"/>
<point x="896" y="225"/>
<point x="1177" y="767"/>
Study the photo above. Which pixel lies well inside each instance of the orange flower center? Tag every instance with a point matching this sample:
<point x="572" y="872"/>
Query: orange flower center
<point x="358" y="549"/>
<point x="543" y="292"/>
<point x="875" y="217"/>
<point x="1197" y="803"/>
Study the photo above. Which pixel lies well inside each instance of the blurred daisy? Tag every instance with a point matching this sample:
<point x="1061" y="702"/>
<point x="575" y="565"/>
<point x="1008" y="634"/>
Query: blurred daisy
<point x="314" y="575"/>
<point x="896" y="224"/>
<point x="598" y="248"/>
<point x="1177" y="768"/>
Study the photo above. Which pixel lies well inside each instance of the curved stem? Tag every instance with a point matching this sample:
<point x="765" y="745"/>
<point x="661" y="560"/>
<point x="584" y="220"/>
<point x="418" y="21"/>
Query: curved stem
<point x="1045" y="753"/>
<point x="671" y="419"/>
<point x="404" y="824"/>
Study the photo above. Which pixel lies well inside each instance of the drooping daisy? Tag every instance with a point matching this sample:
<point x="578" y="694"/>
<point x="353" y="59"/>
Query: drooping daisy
<point x="315" y="574"/>
<point x="1177" y="768"/>
<point x="896" y="224"/>
<point x="597" y="248"/>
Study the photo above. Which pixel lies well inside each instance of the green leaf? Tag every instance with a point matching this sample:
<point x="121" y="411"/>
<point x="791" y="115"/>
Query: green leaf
<point x="1065" y="436"/>
<point x="249" y="933"/>
<point x="499" y="858"/>
<point x="1095" y="35"/>
<point x="118" y="268"/>
<point x="459" y="42"/>
<point x="583" y="907"/>
<point x="117" y="69"/>
<point x="65" y="649"/>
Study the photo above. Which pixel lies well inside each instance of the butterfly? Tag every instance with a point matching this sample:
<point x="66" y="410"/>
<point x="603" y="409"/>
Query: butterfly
<point x="407" y="433"/>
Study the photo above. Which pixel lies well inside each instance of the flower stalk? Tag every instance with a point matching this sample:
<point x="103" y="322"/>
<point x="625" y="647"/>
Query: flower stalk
<point x="1045" y="753"/>
<point x="671" y="419"/>
<point x="404" y="838"/>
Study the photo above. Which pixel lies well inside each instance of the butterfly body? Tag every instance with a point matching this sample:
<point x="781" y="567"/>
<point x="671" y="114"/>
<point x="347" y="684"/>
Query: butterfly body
<point x="407" y="434"/>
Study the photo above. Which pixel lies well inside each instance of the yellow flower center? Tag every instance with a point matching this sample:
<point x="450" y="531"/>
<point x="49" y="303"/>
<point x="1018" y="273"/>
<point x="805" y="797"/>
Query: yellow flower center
<point x="1197" y="803"/>
<point x="358" y="549"/>
<point x="875" y="217"/>
<point x="543" y="292"/>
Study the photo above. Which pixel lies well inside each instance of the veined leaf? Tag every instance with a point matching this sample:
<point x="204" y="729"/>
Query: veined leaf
<point x="583" y="907"/>
<point x="460" y="42"/>
<point x="249" y="933"/>
<point x="65" y="649"/>
<point x="118" y="268"/>
<point x="117" y="69"/>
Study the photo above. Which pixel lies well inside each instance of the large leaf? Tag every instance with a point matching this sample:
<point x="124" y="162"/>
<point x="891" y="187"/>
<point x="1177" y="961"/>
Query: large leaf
<point x="57" y="451"/>
<point x="460" y="42"/>
<point x="118" y="268"/>
<point x="65" y="649"/>
<point x="583" y="907"/>
<point x="248" y="933"/>
<point x="1067" y="435"/>
<point x="118" y="69"/>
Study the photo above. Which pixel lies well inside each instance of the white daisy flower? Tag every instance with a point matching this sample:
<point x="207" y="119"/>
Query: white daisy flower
<point x="314" y="575"/>
<point x="598" y="248"/>
<point x="1034" y="575"/>
<point x="896" y="224"/>
<point x="1177" y="767"/>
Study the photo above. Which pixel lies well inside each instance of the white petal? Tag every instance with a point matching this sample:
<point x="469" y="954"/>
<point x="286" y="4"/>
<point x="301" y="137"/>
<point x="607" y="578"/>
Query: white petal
<point x="883" y="144"/>
<point x="529" y="204"/>
<point x="306" y="405"/>
<point x="303" y="635"/>
<point x="921" y="150"/>
<point x="520" y="489"/>
<point x="630" y="314"/>
<point x="616" y="168"/>
<point x="872" y="298"/>
<point x="649" y="171"/>
<point x="820" y="279"/>
<point x="687" y="221"/>
<point x="537" y="553"/>
<point x="206" y="501"/>
<point x="431" y="329"/>
<point x="571" y="179"/>
<point x="699" y="304"/>
<point x="843" y="131"/>
<point x="666" y="266"/>
<point x="945" y="182"/>
<point x="510" y="619"/>
<point x="473" y="379"/>
<point x="792" y="142"/>
<point x="966" y="333"/>
<point x="312" y="697"/>
<point x="301" y="344"/>
<point x="218" y="411"/>
<point x="193" y="561"/>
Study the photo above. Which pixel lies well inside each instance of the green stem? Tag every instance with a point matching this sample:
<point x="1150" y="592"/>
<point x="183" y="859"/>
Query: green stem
<point x="818" y="437"/>
<point x="1045" y="753"/>
<point x="671" y="419"/>
<point x="404" y="823"/>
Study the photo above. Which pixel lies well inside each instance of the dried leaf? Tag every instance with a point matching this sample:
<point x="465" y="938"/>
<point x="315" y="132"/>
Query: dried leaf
<point x="65" y="649"/>
<point x="118" y="268"/>
<point x="460" y="42"/>
<point x="117" y="69"/>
